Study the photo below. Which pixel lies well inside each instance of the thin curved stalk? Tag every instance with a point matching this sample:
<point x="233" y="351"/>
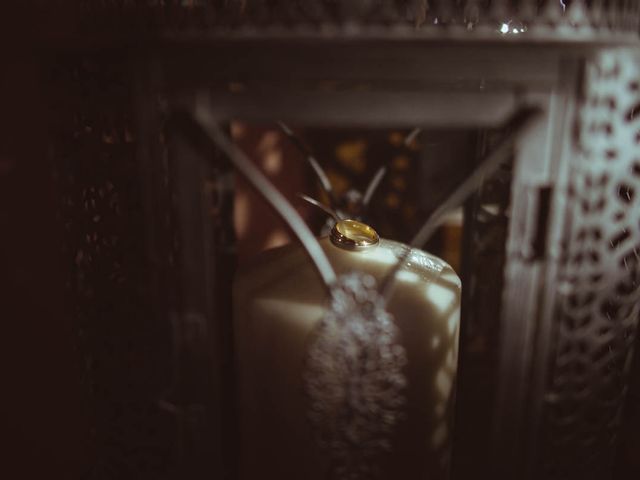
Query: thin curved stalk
<point x="207" y="123"/>
<point x="373" y="186"/>
<point x="412" y="136"/>
<point x="486" y="167"/>
<point x="311" y="160"/>
<point x="319" y="205"/>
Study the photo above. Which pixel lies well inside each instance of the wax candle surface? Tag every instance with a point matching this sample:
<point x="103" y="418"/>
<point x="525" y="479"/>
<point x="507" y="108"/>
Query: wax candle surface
<point x="277" y="303"/>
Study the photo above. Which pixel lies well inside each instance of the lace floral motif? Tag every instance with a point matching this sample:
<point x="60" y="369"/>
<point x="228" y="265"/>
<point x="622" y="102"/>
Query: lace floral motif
<point x="354" y="377"/>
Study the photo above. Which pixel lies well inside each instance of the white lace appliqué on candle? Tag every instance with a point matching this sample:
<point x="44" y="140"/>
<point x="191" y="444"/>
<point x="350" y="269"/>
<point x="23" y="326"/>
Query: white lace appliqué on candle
<point x="354" y="377"/>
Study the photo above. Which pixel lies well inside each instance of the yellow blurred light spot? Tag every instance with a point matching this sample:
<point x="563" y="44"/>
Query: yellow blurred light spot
<point x="272" y="162"/>
<point x="398" y="182"/>
<point x="396" y="138"/>
<point x="271" y="152"/>
<point x="392" y="200"/>
<point x="241" y="214"/>
<point x="238" y="130"/>
<point x="401" y="162"/>
<point x="339" y="182"/>
<point x="351" y="155"/>
<point x="277" y="238"/>
<point x="268" y="141"/>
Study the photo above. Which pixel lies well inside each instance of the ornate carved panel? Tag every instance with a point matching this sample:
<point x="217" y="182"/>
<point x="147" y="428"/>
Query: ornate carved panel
<point x="577" y="19"/>
<point x="599" y="295"/>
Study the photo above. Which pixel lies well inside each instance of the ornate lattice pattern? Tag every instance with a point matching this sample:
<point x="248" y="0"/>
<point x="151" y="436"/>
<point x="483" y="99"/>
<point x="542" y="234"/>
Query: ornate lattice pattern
<point x="354" y="378"/>
<point x="147" y="359"/>
<point x="601" y="292"/>
<point x="500" y="16"/>
<point x="126" y="352"/>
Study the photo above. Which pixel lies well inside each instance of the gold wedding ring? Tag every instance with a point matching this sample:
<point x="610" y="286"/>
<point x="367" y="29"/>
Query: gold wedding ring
<point x="353" y="235"/>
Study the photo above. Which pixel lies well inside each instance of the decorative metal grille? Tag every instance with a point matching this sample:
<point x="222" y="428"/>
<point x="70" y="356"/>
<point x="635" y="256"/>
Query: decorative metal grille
<point x="151" y="410"/>
<point x="600" y="290"/>
<point x="577" y="18"/>
<point x="126" y="352"/>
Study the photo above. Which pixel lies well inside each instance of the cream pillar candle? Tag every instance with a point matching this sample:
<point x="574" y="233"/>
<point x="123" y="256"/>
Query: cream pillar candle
<point x="279" y="300"/>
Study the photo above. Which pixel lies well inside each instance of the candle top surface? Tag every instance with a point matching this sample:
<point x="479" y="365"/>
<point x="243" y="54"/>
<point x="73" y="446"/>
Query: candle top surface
<point x="285" y="273"/>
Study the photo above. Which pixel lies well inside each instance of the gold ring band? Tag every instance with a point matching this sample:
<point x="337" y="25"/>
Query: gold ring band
<point x="353" y="235"/>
